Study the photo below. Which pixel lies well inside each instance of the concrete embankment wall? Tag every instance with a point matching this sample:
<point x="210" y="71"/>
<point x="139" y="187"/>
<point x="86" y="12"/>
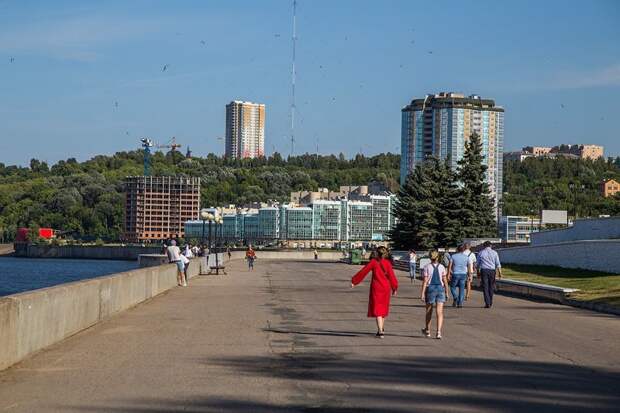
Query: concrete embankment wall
<point x="292" y="255"/>
<point x="31" y="321"/>
<point x="595" y="255"/>
<point x="583" y="229"/>
<point x="129" y="253"/>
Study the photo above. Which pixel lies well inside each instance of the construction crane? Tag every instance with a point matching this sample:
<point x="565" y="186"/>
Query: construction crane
<point x="148" y="143"/>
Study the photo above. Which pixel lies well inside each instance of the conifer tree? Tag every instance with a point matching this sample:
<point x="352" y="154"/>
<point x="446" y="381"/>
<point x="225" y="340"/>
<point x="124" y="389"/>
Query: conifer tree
<point x="477" y="212"/>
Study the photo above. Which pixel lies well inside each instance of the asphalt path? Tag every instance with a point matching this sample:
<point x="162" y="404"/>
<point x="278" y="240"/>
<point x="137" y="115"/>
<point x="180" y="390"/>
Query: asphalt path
<point x="294" y="337"/>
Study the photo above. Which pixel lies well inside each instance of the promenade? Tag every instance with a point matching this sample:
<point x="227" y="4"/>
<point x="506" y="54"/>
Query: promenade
<point x="293" y="337"/>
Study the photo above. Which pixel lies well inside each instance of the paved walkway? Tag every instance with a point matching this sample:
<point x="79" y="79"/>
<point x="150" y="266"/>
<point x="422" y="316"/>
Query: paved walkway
<point x="294" y="337"/>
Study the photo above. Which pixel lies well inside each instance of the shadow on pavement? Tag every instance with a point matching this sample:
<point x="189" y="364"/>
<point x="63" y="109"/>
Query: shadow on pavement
<point x="322" y="381"/>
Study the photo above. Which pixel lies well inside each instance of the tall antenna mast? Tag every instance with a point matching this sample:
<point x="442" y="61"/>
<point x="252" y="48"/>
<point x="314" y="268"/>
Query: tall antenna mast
<point x="293" y="79"/>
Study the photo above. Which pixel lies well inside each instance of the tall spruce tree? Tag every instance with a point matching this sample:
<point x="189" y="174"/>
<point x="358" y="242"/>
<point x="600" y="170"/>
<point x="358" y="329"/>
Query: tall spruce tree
<point x="427" y="208"/>
<point x="477" y="212"/>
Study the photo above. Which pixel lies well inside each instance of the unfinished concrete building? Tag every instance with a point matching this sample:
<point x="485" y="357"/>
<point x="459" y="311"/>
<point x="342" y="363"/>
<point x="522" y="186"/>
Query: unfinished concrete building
<point x="157" y="207"/>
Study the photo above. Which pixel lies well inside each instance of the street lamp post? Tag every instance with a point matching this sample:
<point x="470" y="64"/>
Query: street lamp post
<point x="206" y="216"/>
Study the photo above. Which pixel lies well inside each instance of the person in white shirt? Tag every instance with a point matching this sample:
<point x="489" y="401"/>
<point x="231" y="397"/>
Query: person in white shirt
<point x="472" y="263"/>
<point x="412" y="264"/>
<point x="434" y="292"/>
<point x="174" y="256"/>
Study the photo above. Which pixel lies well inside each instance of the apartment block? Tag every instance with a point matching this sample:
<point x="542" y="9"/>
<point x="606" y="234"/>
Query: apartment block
<point x="245" y="130"/>
<point x="157" y="207"/>
<point x="441" y="125"/>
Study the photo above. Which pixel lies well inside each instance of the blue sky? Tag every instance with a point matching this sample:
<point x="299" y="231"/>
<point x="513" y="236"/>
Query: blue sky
<point x="65" y="64"/>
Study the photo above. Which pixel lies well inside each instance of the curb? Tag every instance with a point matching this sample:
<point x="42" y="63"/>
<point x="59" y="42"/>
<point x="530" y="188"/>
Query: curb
<point x="598" y="307"/>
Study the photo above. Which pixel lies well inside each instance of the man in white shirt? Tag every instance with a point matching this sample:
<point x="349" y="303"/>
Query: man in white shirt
<point x="472" y="263"/>
<point x="174" y="256"/>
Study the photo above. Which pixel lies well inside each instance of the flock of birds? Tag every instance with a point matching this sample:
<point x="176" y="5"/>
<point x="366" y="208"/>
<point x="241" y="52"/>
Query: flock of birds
<point x="166" y="66"/>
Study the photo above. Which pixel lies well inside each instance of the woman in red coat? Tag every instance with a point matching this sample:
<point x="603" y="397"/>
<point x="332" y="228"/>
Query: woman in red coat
<point x="383" y="283"/>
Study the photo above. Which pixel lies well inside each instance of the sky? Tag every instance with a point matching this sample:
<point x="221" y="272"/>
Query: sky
<point x="79" y="78"/>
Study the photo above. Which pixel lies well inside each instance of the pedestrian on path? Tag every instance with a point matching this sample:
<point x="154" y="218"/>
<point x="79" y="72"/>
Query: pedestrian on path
<point x="174" y="256"/>
<point x="490" y="269"/>
<point x="250" y="255"/>
<point x="383" y="284"/>
<point x="473" y="263"/>
<point x="458" y="273"/>
<point x="228" y="253"/>
<point x="187" y="254"/>
<point x="412" y="264"/>
<point x="434" y="292"/>
<point x="316" y="255"/>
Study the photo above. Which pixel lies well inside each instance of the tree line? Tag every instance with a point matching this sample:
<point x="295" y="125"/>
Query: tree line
<point x="85" y="199"/>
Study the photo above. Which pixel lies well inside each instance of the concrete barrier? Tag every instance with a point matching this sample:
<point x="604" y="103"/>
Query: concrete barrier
<point x="595" y="255"/>
<point x="92" y="252"/>
<point x="33" y="320"/>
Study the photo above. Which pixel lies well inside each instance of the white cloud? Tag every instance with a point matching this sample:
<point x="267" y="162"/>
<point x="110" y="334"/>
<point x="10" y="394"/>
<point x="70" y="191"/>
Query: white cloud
<point x="75" y="38"/>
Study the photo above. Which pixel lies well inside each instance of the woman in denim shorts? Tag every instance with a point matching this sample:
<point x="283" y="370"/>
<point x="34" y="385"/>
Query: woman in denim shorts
<point x="434" y="291"/>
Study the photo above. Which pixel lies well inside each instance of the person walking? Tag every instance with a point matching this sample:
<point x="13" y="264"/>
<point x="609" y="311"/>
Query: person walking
<point x="316" y="254"/>
<point x="472" y="261"/>
<point x="434" y="292"/>
<point x="382" y="284"/>
<point x="228" y="253"/>
<point x="458" y="273"/>
<point x="185" y="257"/>
<point x="490" y="269"/>
<point x="250" y="255"/>
<point x="174" y="256"/>
<point x="412" y="264"/>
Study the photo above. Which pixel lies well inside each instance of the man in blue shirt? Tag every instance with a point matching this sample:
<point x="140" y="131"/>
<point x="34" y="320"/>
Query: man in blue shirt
<point x="489" y="267"/>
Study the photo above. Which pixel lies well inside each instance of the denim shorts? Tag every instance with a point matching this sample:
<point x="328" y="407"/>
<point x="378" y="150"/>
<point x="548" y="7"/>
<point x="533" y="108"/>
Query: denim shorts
<point x="435" y="294"/>
<point x="180" y="265"/>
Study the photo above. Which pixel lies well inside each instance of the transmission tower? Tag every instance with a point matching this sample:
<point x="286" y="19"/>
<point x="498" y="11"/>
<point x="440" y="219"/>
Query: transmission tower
<point x="294" y="38"/>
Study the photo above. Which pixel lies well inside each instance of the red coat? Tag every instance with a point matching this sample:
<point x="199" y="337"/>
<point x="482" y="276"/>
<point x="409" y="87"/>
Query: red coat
<point x="383" y="283"/>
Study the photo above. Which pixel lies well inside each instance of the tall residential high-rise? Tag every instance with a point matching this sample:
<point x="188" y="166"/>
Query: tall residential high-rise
<point x="440" y="125"/>
<point x="245" y="129"/>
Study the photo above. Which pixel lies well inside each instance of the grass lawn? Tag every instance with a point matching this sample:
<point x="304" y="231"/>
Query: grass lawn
<point x="594" y="286"/>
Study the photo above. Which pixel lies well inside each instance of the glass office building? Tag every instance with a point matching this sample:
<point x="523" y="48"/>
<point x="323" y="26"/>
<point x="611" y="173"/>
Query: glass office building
<point x="341" y="220"/>
<point x="517" y="228"/>
<point x="326" y="220"/>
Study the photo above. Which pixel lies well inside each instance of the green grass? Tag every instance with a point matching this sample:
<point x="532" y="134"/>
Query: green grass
<point x="594" y="286"/>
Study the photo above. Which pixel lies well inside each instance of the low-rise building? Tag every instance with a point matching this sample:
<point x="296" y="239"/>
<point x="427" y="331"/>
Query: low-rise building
<point x="517" y="228"/>
<point x="609" y="187"/>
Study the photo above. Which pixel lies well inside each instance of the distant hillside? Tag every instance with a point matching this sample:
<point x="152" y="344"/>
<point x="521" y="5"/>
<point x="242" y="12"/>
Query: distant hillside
<point x="86" y="199"/>
<point x="571" y="184"/>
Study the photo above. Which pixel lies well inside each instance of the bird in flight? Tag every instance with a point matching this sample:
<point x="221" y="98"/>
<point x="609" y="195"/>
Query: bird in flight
<point x="115" y="104"/>
<point x="202" y="42"/>
<point x="276" y="35"/>
<point x="430" y="52"/>
<point x="562" y="105"/>
<point x="12" y="59"/>
<point x="164" y="68"/>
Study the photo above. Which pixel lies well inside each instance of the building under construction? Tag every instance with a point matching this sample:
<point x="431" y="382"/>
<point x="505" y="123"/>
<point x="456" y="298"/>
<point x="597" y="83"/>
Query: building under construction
<point x="157" y="207"/>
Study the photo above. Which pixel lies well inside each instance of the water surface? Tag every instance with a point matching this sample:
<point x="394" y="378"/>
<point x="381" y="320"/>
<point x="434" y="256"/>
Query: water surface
<point x="25" y="274"/>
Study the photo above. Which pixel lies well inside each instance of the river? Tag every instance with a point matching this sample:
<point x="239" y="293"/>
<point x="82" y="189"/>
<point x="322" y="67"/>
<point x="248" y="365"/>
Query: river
<point x="25" y="274"/>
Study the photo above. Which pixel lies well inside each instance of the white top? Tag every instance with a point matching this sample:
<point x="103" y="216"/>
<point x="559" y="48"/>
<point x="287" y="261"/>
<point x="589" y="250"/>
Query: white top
<point x="471" y="256"/>
<point x="188" y="252"/>
<point x="174" y="253"/>
<point x="427" y="273"/>
<point x="412" y="257"/>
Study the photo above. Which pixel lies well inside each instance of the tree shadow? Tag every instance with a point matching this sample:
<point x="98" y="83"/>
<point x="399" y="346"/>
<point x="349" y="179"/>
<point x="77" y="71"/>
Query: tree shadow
<point x="323" y="381"/>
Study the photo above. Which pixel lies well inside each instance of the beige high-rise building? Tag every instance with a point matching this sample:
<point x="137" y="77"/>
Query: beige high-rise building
<point x="245" y="129"/>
